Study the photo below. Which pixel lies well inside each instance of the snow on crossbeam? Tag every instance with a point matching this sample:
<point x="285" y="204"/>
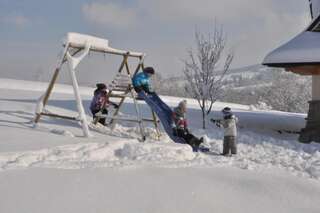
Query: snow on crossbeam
<point x="77" y="40"/>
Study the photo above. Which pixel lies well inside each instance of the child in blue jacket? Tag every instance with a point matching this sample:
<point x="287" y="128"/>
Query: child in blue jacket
<point x="141" y="80"/>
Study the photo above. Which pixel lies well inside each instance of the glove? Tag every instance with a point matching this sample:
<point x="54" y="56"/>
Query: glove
<point x="216" y="122"/>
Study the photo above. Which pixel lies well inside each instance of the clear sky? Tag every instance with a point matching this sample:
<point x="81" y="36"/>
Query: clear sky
<point x="31" y="31"/>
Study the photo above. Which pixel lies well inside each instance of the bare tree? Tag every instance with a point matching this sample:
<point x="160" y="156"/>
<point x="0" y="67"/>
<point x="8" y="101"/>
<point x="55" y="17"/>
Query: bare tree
<point x="202" y="70"/>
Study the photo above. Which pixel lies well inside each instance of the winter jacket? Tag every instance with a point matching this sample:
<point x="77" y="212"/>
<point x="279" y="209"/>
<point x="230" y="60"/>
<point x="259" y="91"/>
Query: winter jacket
<point x="229" y="125"/>
<point x="179" y="119"/>
<point x="99" y="100"/>
<point x="141" y="79"/>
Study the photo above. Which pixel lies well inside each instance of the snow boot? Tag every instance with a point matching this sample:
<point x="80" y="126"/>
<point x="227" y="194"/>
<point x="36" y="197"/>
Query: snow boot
<point x="195" y="143"/>
<point x="226" y="154"/>
<point x="198" y="142"/>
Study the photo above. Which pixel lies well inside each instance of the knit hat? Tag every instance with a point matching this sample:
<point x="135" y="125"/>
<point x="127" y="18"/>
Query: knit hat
<point x="226" y="111"/>
<point x="149" y="70"/>
<point x="183" y="104"/>
<point x="101" y="86"/>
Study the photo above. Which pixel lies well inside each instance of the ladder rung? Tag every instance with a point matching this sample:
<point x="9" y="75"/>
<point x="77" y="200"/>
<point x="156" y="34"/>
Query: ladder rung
<point x="122" y="76"/>
<point x="119" y="96"/>
<point x="121" y="81"/>
<point x="125" y="96"/>
<point x="119" y="89"/>
<point x="126" y="86"/>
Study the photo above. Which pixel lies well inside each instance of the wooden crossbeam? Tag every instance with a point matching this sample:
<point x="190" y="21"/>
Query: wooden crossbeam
<point x="59" y="116"/>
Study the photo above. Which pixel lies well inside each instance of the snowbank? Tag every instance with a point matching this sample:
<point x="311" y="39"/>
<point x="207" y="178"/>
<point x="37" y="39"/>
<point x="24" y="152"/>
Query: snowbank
<point x="256" y="152"/>
<point x="92" y="155"/>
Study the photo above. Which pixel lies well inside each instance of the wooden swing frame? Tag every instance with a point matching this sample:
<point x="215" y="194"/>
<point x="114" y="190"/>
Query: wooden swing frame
<point x="82" y="44"/>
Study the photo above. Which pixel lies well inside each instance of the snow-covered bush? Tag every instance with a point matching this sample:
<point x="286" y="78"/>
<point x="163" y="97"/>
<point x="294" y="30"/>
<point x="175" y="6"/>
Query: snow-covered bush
<point x="260" y="106"/>
<point x="288" y="92"/>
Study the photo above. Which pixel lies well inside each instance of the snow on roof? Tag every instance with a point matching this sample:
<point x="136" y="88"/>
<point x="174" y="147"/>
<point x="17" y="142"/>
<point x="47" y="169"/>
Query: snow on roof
<point x="78" y="40"/>
<point x="301" y="50"/>
<point x="304" y="49"/>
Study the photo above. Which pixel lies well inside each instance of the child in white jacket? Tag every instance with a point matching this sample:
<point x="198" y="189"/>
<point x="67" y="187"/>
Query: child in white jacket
<point x="230" y="131"/>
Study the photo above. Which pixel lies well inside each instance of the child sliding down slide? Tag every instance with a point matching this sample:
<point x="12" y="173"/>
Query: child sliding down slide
<point x="180" y="126"/>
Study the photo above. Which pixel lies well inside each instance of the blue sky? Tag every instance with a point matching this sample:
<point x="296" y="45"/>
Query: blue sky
<point x="31" y="30"/>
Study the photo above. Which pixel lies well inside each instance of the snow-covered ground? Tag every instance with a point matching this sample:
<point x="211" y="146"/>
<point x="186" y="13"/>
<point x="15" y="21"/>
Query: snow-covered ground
<point x="52" y="168"/>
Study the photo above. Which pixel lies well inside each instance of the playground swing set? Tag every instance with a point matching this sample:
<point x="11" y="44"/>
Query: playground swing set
<point x="76" y="48"/>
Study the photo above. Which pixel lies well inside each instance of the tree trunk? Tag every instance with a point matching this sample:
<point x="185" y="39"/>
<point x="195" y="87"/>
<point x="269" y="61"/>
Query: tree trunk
<point x="203" y="115"/>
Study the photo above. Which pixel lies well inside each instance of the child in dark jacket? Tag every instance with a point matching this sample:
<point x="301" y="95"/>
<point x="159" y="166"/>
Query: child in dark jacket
<point x="100" y="102"/>
<point x="180" y="126"/>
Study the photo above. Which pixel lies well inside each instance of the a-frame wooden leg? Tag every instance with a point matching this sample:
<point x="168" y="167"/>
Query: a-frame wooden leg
<point x="154" y="116"/>
<point x="47" y="94"/>
<point x="52" y="82"/>
<point x="156" y="124"/>
<point x="73" y="63"/>
<point x="141" y="126"/>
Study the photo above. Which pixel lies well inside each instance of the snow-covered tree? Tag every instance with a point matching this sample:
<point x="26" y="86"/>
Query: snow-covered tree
<point x="202" y="71"/>
<point x="288" y="92"/>
<point x="157" y="81"/>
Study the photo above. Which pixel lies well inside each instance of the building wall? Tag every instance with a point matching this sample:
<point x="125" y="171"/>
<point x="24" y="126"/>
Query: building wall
<point x="316" y="88"/>
<point x="315" y="7"/>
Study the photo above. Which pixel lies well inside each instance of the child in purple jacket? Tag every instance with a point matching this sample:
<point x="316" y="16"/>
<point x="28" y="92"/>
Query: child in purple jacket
<point x="100" y="102"/>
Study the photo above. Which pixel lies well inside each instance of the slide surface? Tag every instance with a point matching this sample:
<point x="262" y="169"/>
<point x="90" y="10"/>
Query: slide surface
<point x="163" y="112"/>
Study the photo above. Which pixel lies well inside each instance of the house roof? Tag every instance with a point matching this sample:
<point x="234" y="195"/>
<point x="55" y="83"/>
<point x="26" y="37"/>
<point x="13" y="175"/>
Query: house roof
<point x="304" y="49"/>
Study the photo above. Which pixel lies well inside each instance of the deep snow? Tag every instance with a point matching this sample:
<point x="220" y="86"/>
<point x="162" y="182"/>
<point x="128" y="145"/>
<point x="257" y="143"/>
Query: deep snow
<point x="157" y="190"/>
<point x="52" y="168"/>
